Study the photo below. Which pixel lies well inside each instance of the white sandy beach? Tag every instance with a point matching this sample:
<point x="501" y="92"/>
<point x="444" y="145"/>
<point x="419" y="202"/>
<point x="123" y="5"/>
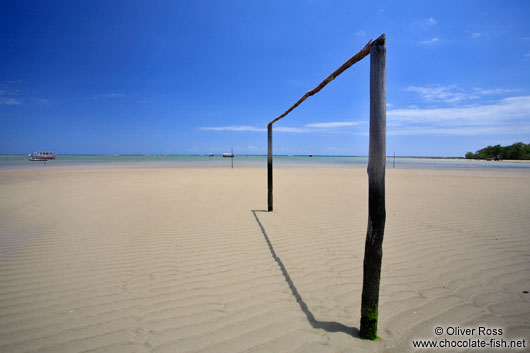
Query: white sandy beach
<point x="186" y="260"/>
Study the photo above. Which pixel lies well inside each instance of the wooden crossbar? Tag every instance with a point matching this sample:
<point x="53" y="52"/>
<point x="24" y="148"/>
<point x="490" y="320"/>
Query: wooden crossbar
<point x="354" y="59"/>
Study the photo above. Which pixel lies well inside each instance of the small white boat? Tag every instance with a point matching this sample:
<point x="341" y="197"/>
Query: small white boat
<point x="41" y="156"/>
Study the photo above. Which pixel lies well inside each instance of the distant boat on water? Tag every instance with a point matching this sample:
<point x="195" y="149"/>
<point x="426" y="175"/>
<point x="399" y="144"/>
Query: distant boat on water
<point x="41" y="156"/>
<point x="229" y="155"/>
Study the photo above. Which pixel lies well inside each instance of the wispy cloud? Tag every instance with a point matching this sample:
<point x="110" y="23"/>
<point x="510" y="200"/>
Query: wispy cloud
<point x="291" y="129"/>
<point x="309" y="128"/>
<point x="424" y="24"/>
<point x="109" y="96"/>
<point x="10" y="101"/>
<point x="492" y="91"/>
<point x="446" y="94"/>
<point x="234" y="128"/>
<point x="430" y="21"/>
<point x="476" y="35"/>
<point x="429" y="41"/>
<point x="453" y="93"/>
<point x="9" y="95"/>
<point x="333" y="124"/>
<point x="507" y="108"/>
<point x="508" y="116"/>
<point x="41" y="100"/>
<point x="360" y="33"/>
<point x="254" y="128"/>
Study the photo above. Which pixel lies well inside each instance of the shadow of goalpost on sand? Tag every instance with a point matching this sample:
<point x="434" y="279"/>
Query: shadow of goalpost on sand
<point x="329" y="326"/>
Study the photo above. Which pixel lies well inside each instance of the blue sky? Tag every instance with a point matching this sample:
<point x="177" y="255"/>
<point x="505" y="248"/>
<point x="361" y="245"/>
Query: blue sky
<point x="183" y="77"/>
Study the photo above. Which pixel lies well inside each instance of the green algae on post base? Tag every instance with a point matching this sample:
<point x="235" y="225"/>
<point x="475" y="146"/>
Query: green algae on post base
<point x="369" y="324"/>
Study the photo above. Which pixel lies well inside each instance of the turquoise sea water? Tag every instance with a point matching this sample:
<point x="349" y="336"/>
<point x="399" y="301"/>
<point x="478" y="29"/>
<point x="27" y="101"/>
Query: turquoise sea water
<point x="242" y="161"/>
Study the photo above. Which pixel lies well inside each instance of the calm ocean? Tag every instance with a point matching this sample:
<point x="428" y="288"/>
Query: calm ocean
<point x="242" y="161"/>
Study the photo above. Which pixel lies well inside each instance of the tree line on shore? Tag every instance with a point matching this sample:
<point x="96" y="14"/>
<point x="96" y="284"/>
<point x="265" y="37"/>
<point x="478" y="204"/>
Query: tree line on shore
<point x="518" y="150"/>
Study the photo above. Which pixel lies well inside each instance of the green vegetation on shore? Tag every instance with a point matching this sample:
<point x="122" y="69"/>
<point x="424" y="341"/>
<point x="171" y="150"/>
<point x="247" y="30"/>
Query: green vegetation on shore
<point x="518" y="150"/>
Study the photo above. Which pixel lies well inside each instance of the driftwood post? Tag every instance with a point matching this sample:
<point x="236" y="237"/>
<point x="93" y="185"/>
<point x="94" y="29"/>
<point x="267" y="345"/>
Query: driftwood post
<point x="373" y="251"/>
<point x="269" y="166"/>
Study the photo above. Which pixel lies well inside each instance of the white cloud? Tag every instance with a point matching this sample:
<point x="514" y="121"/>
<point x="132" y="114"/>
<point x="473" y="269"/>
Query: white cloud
<point x="360" y="33"/>
<point x="290" y="129"/>
<point x="309" y="128"/>
<point x="430" y="41"/>
<point x="489" y="91"/>
<point x="507" y="108"/>
<point x="454" y="94"/>
<point x="446" y="94"/>
<point x="333" y="124"/>
<point x="508" y="116"/>
<point x="476" y="35"/>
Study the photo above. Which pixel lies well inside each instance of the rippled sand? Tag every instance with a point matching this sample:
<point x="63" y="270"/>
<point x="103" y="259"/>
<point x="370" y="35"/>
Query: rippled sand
<point x="186" y="260"/>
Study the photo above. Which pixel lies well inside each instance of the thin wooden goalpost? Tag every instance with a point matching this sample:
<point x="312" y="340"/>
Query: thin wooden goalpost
<point x="373" y="252"/>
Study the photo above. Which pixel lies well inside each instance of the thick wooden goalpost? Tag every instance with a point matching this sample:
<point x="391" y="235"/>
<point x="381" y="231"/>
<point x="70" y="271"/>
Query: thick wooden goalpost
<point x="373" y="251"/>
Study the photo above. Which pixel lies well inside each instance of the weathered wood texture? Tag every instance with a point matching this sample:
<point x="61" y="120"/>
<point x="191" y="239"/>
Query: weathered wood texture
<point x="373" y="252"/>
<point x="269" y="166"/>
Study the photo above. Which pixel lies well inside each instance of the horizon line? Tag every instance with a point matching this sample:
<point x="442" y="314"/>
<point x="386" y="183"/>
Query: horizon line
<point x="220" y="154"/>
